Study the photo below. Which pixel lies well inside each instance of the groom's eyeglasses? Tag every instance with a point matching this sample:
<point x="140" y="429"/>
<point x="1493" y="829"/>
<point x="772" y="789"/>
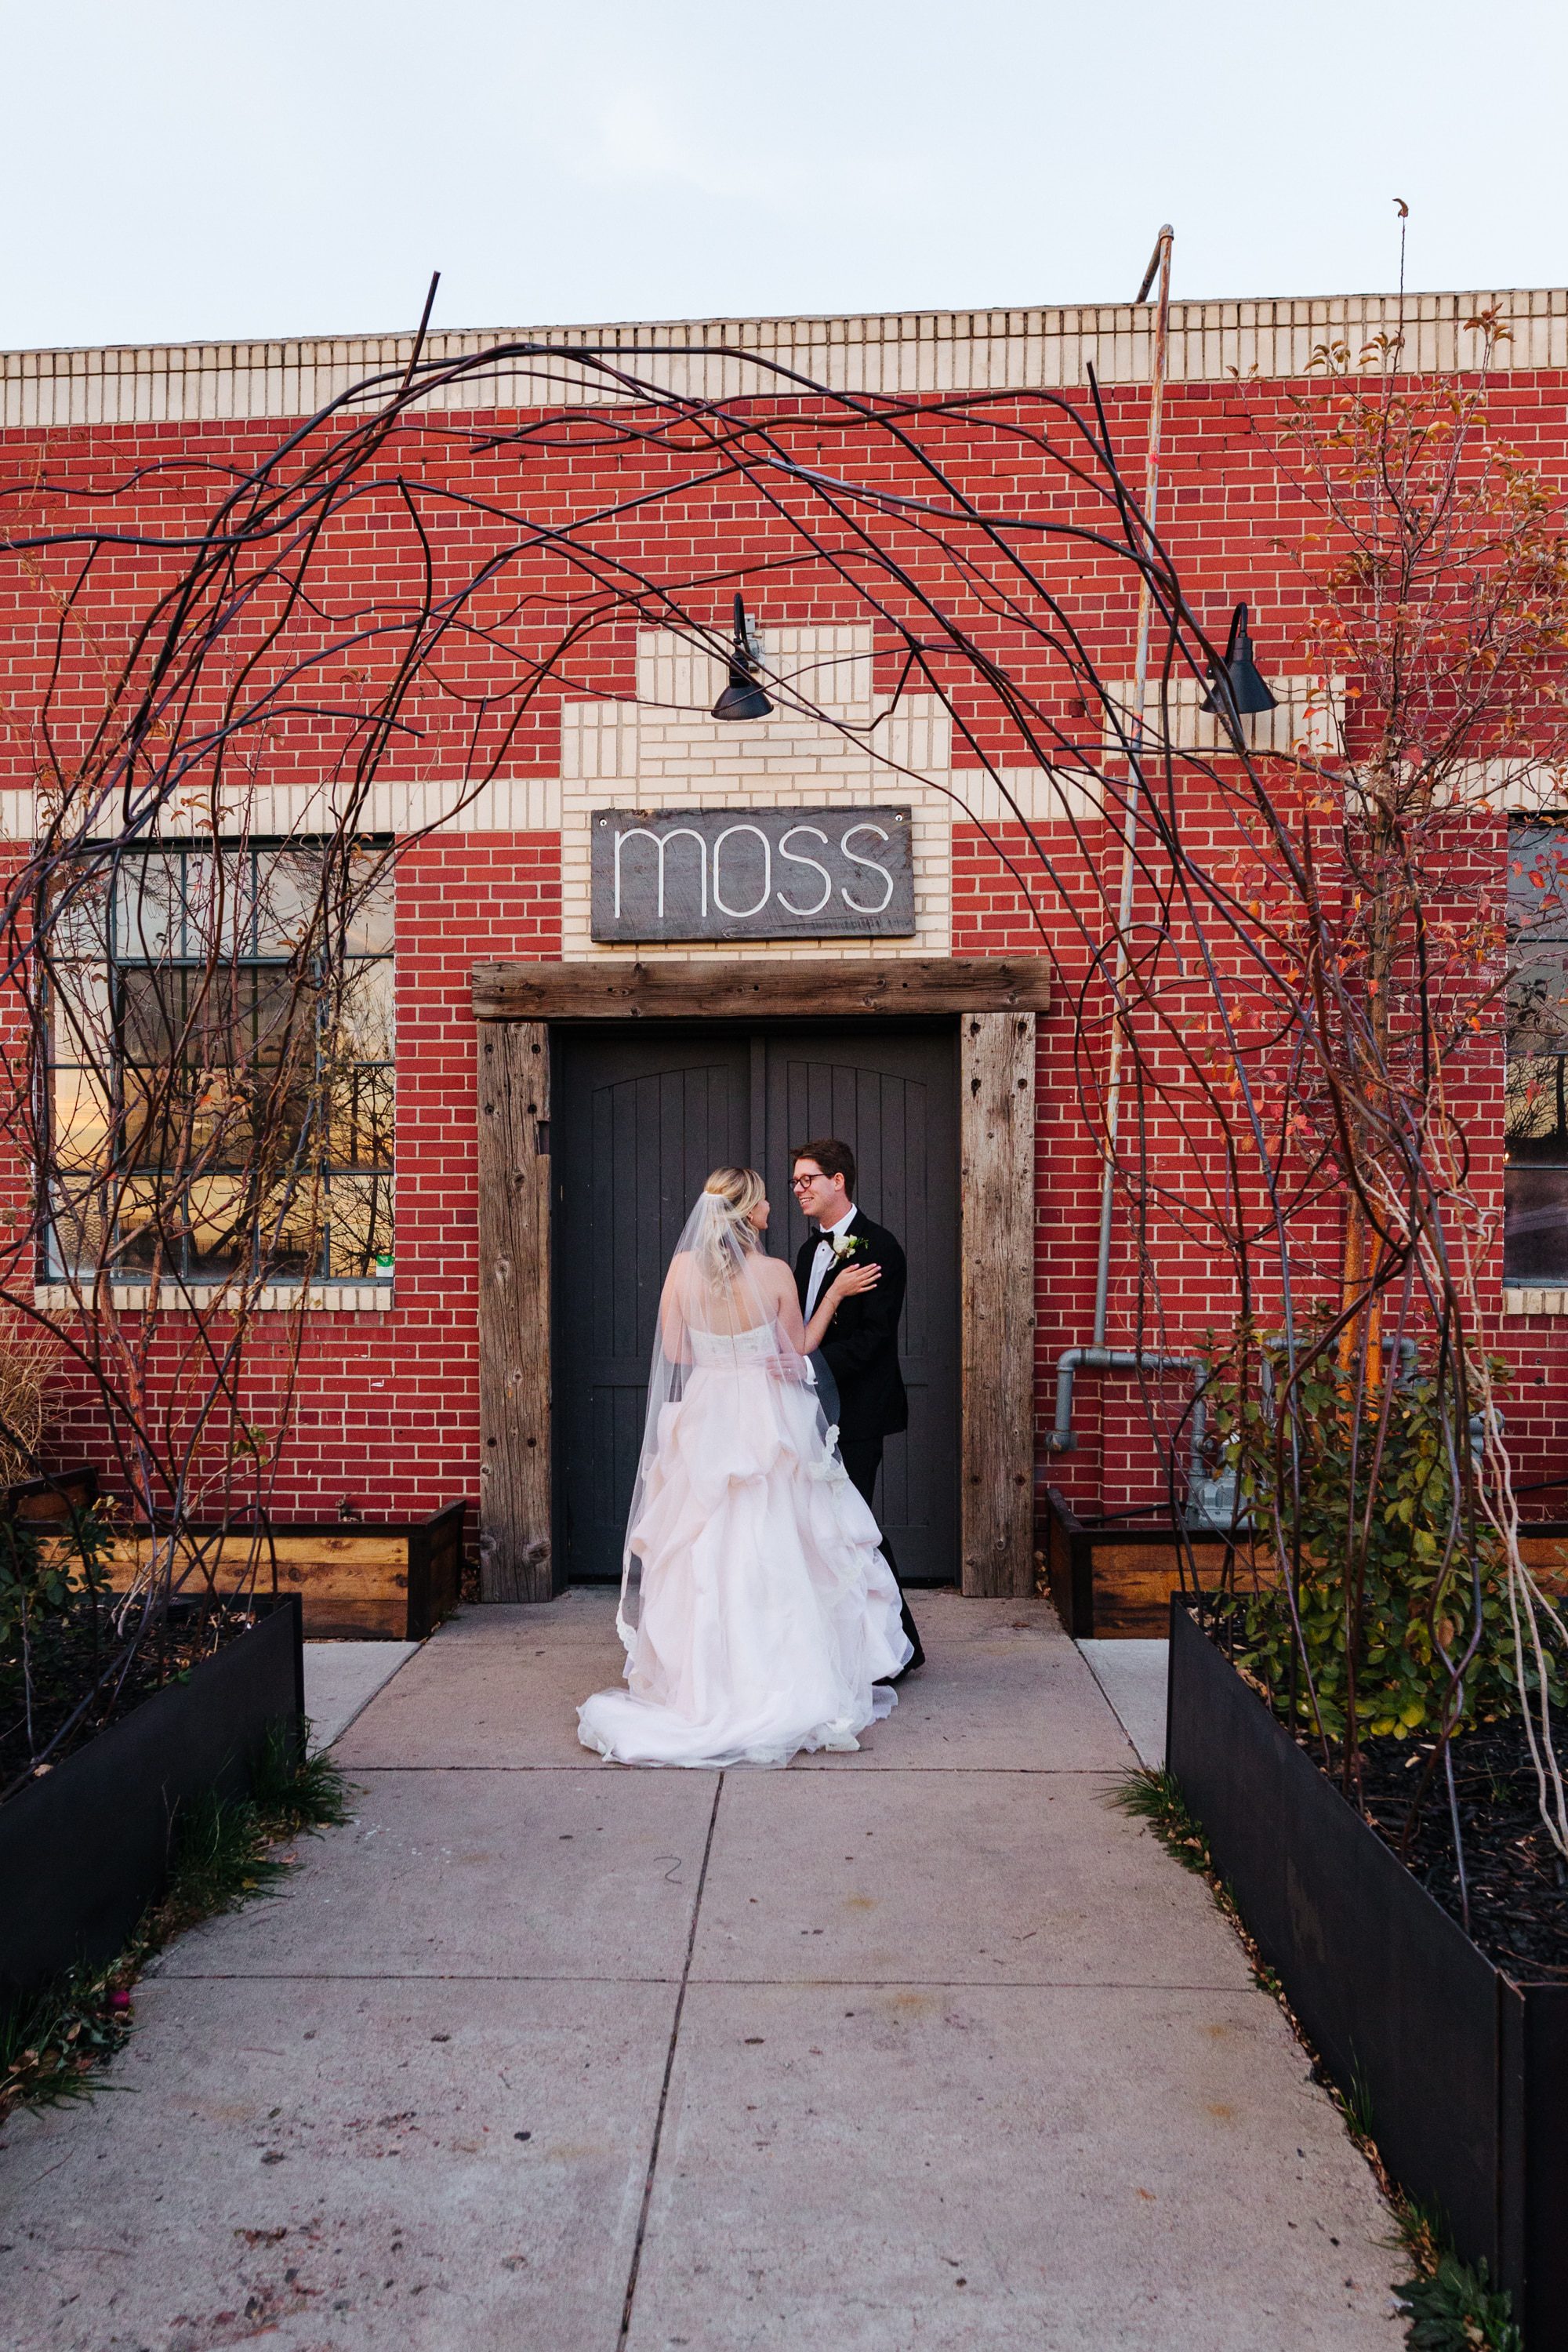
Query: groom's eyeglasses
<point x="803" y="1184"/>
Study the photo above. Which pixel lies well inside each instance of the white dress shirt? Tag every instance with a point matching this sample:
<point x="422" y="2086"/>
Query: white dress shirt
<point x="820" y="1265"/>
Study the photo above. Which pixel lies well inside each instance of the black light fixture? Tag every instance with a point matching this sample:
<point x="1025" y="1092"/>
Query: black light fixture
<point x="1242" y="691"/>
<point x="743" y="698"/>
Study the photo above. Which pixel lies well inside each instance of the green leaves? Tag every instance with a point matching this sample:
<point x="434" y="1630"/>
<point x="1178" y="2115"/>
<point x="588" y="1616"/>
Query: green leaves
<point x="28" y="1589"/>
<point x="49" y="1599"/>
<point x="1355" y="1504"/>
<point x="1456" y="2307"/>
<point x="38" y="1582"/>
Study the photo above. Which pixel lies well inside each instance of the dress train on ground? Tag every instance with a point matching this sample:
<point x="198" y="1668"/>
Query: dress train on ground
<point x="769" y="1622"/>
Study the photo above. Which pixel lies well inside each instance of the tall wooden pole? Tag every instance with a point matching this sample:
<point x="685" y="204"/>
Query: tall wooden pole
<point x="516" y="1553"/>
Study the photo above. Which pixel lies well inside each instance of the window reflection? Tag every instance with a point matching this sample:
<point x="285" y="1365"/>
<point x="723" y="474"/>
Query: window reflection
<point x="1535" y="1190"/>
<point x="218" y="1107"/>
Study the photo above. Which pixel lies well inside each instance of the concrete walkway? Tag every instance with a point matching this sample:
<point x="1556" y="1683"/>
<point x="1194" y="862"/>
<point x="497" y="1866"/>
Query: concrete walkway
<point x="926" y="2046"/>
<point x="340" y="1680"/>
<point x="1133" y="1676"/>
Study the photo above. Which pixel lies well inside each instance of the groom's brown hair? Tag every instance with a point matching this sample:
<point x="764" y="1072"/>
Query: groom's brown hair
<point x="834" y="1159"/>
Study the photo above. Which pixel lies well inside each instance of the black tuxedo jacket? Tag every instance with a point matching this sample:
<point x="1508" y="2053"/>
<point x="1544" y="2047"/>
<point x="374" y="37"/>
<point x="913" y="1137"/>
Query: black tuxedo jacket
<point x="862" y="1344"/>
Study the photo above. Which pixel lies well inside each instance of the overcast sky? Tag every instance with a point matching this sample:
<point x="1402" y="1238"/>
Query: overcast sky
<point x="175" y="169"/>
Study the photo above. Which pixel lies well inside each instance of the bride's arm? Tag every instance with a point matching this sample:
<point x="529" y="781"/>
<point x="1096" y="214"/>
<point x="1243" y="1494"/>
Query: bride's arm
<point x="672" y="1328"/>
<point x="843" y="1285"/>
<point x="791" y="1330"/>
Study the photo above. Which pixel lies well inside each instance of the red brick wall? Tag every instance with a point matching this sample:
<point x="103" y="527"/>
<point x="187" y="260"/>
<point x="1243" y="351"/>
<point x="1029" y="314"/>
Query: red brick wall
<point x="386" y="1406"/>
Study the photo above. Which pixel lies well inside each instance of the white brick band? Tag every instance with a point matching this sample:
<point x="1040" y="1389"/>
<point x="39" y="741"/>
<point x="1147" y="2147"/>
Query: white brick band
<point x="907" y="351"/>
<point x="273" y="1298"/>
<point x="1536" y="1301"/>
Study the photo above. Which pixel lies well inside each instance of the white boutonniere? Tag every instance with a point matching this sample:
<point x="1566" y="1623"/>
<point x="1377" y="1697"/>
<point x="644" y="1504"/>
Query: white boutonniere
<point x="846" y="1247"/>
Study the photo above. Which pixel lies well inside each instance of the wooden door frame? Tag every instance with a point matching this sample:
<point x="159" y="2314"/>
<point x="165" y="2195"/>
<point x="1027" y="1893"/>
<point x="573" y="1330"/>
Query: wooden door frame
<point x="997" y="1000"/>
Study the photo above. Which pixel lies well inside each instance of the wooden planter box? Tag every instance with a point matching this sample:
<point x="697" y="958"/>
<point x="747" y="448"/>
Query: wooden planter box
<point x="355" y="1583"/>
<point x="1115" y="1577"/>
<point x="47" y="1503"/>
<point x="389" y="1583"/>
<point x="1543" y="1547"/>
<point x="86" y="1848"/>
<point x="1466" y="2071"/>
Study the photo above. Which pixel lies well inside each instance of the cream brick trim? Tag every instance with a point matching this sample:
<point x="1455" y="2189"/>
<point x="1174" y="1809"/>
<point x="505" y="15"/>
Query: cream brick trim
<point x="666" y="752"/>
<point x="826" y="665"/>
<point x="274" y="1298"/>
<point x="905" y="351"/>
<point x="599" y="743"/>
<point x="1548" y="1301"/>
<point x="1507" y="785"/>
<point x="510" y="805"/>
<point x="1304" y="712"/>
<point x="1038" y="795"/>
<point x="1522" y="786"/>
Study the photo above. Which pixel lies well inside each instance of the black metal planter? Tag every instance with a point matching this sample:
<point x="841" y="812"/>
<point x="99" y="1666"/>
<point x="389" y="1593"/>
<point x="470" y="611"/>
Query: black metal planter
<point x="86" y="1848"/>
<point x="1464" y="2072"/>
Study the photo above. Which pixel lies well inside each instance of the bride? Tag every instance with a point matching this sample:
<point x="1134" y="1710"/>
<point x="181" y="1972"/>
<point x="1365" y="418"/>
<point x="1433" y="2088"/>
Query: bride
<point x="758" y="1614"/>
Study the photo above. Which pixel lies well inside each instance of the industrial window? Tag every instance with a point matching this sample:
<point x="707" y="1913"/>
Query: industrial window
<point x="1535" y="1223"/>
<point x="222" y="1067"/>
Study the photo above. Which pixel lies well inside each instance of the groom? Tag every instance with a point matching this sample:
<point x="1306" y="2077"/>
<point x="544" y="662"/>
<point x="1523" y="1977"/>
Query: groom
<point x="861" y="1349"/>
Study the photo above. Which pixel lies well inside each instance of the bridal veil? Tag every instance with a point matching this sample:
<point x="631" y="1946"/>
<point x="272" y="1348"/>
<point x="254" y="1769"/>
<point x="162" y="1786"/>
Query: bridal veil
<point x="716" y="1312"/>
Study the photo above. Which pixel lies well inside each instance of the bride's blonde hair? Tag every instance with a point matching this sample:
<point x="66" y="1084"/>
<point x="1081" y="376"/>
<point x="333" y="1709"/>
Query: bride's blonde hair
<point x="737" y="1191"/>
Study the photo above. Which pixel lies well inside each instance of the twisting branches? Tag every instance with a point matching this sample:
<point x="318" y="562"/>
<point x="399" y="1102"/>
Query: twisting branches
<point x="198" y="1065"/>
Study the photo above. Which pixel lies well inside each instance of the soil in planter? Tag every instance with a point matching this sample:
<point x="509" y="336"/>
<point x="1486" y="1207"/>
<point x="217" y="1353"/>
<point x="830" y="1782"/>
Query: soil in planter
<point x="1518" y="1882"/>
<point x="72" y="1654"/>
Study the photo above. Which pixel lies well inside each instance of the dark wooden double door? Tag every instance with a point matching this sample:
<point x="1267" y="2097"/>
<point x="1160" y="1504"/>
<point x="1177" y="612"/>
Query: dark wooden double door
<point x="641" y="1116"/>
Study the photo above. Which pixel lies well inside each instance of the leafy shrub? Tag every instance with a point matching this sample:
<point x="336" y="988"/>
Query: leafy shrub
<point x="52" y="1612"/>
<point x="36" y="1584"/>
<point x="1389" y="1564"/>
<point x="1456" y="2307"/>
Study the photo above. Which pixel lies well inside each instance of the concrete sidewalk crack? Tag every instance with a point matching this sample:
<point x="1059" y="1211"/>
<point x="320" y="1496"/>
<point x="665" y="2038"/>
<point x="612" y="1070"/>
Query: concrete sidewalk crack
<point x="669" y="2073"/>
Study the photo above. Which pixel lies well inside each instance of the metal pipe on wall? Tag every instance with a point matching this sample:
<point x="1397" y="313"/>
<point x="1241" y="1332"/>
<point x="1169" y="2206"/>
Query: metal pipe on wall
<point x="1159" y="261"/>
<point x="1073" y="1360"/>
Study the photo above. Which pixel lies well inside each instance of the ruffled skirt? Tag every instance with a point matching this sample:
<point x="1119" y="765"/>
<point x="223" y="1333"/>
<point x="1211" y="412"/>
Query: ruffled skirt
<point x="769" y="1618"/>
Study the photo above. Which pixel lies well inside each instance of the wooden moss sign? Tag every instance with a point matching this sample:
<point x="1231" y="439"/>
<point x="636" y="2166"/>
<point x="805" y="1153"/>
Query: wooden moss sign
<point x="752" y="874"/>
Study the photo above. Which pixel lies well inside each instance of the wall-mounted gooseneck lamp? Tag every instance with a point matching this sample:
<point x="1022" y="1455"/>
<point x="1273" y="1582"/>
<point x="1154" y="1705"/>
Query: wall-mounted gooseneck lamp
<point x="1239" y="689"/>
<point x="743" y="698"/>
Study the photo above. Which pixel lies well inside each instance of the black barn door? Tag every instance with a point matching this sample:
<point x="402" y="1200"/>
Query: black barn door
<point x="893" y="1099"/>
<point x="642" y="1119"/>
<point x="641" y="1116"/>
